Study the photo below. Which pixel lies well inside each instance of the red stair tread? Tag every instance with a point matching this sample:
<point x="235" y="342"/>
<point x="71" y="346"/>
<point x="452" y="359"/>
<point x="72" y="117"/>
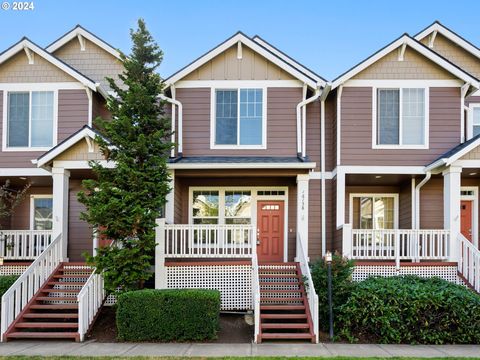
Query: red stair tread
<point x="287" y="336"/>
<point x="54" y="306"/>
<point x="283" y="316"/>
<point x="45" y="325"/>
<point x="281" y="298"/>
<point x="282" y="307"/>
<point x="51" y="316"/>
<point x="56" y="298"/>
<point x="285" y="326"/>
<point x="60" y="290"/>
<point x="39" y="334"/>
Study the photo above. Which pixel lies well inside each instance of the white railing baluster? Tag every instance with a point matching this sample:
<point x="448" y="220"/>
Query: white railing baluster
<point x="23" y="244"/>
<point x="90" y="300"/>
<point x="469" y="262"/>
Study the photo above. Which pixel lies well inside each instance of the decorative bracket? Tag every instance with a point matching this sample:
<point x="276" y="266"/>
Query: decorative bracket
<point x="81" y="40"/>
<point x="90" y="144"/>
<point x="239" y="50"/>
<point x="431" y="40"/>
<point x="30" y="55"/>
<point x="401" y="52"/>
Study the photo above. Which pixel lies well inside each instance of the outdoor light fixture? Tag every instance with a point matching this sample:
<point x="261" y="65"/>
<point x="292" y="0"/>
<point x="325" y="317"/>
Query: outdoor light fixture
<point x="473" y="173"/>
<point x="378" y="177"/>
<point x="328" y="260"/>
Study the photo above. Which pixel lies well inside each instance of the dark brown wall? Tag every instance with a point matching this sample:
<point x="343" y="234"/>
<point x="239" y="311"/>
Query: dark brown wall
<point x="356" y="123"/>
<point x="80" y="235"/>
<point x="21" y="217"/>
<point x="314" y="219"/>
<point x="99" y="108"/>
<point x="405" y="206"/>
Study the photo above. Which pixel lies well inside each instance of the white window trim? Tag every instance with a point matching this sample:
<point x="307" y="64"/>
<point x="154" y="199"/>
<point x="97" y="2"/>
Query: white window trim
<point x="30" y="89"/>
<point x="213" y="109"/>
<point x="255" y="198"/>
<point x="32" y="206"/>
<point x="474" y="198"/>
<point x="471" y="107"/>
<point x="373" y="195"/>
<point x="395" y="86"/>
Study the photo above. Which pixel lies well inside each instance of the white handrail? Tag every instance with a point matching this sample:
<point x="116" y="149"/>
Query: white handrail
<point x="309" y="288"/>
<point x="23" y="244"/>
<point x="256" y="294"/>
<point x="90" y="300"/>
<point x="27" y="285"/>
<point x="469" y="262"/>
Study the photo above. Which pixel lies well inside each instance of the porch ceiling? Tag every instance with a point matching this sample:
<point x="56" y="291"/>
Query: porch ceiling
<point x="376" y="179"/>
<point x="19" y="182"/>
<point x="471" y="173"/>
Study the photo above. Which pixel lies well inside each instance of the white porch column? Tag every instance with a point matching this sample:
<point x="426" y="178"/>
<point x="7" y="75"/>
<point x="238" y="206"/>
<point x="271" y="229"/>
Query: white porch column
<point x="340" y="197"/>
<point x="451" y="207"/>
<point x="302" y="210"/>
<point x="61" y="179"/>
<point x="160" y="270"/>
<point x="170" y="205"/>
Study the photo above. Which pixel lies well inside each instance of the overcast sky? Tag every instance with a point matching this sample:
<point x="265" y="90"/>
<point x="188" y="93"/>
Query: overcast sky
<point x="327" y="36"/>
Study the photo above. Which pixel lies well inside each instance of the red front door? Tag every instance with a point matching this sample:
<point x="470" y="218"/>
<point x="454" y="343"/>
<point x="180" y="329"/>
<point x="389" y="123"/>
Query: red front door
<point x="270" y="231"/>
<point x="466" y="218"/>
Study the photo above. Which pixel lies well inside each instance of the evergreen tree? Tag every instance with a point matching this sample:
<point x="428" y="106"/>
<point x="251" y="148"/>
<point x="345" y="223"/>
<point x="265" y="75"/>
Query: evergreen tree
<point x="123" y="202"/>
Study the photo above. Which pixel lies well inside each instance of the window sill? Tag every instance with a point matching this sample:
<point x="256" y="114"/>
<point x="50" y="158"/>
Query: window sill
<point x="238" y="147"/>
<point x="400" y="147"/>
<point x="24" y="149"/>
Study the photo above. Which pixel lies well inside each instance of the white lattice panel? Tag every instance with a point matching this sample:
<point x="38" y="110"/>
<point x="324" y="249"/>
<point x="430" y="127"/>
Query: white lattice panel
<point x="233" y="281"/>
<point x="449" y="273"/>
<point x="12" y="269"/>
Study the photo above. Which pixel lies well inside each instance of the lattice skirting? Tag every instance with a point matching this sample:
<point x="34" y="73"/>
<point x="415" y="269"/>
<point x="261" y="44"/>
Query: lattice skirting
<point x="233" y="281"/>
<point x="449" y="273"/>
<point x="12" y="269"/>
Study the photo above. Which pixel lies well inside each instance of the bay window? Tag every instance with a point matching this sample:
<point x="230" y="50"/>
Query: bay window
<point x="401" y="117"/>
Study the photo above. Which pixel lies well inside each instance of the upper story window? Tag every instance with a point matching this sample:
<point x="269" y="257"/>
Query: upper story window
<point x="30" y="120"/>
<point x="239" y="119"/>
<point x="475" y="119"/>
<point x="401" y="119"/>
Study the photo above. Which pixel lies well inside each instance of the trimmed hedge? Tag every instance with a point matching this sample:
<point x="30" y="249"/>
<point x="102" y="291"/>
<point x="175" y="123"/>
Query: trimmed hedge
<point x="411" y="310"/>
<point x="168" y="315"/>
<point x="6" y="282"/>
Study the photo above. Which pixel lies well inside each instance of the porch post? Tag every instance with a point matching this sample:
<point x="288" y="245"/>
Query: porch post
<point x="61" y="179"/>
<point x="170" y="205"/>
<point x="451" y="207"/>
<point x="160" y="270"/>
<point x="302" y="210"/>
<point x="347" y="240"/>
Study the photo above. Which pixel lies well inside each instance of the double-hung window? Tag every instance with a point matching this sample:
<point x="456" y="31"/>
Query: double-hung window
<point x="41" y="212"/>
<point x="239" y="118"/>
<point x="401" y="118"/>
<point x="30" y="120"/>
<point x="475" y="112"/>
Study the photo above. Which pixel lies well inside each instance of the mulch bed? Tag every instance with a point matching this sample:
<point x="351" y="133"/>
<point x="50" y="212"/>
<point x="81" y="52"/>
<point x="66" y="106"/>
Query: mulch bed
<point x="233" y="328"/>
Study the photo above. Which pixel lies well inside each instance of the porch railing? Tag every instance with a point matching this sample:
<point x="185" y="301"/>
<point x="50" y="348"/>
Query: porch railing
<point x="256" y="295"/>
<point x="208" y="241"/>
<point x="90" y="300"/>
<point x="398" y="244"/>
<point x="22" y="291"/>
<point x="23" y="244"/>
<point x="469" y="262"/>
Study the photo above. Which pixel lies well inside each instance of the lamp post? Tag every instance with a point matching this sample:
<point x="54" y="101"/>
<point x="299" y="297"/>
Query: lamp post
<point x="328" y="260"/>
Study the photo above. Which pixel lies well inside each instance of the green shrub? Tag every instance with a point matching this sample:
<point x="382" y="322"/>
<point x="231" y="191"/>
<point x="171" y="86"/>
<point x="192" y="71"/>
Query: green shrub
<point x="6" y="282"/>
<point x="342" y="286"/>
<point x="411" y="310"/>
<point x="168" y="315"/>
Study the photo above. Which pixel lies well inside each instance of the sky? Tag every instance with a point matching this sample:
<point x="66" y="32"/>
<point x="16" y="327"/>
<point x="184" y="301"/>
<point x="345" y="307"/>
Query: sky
<point x="329" y="37"/>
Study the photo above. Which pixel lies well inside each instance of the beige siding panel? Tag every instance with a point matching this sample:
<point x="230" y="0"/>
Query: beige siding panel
<point x="455" y="54"/>
<point x="472" y="155"/>
<point x="413" y="66"/>
<point x="356" y="141"/>
<point x="80" y="233"/>
<point x="226" y="66"/>
<point x="72" y="112"/>
<point x="281" y="123"/>
<point x="94" y="62"/>
<point x="79" y="152"/>
<point x="431" y="204"/>
<point x="18" y="70"/>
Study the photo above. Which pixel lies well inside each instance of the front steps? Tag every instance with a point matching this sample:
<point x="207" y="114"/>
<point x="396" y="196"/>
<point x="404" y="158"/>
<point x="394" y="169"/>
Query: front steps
<point x="284" y="310"/>
<point x="53" y="311"/>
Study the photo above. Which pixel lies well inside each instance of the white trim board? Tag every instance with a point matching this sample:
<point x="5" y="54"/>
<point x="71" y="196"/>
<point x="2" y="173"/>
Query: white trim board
<point x="414" y="44"/>
<point x="473" y="198"/>
<point x="23" y="172"/>
<point x="254" y="190"/>
<point x="403" y="83"/>
<point x="185" y="84"/>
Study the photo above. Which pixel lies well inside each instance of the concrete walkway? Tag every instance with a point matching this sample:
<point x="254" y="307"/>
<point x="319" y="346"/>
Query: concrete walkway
<point x="52" y="348"/>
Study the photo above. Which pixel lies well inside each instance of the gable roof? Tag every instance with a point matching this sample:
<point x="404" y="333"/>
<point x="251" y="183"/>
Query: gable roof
<point x="407" y="40"/>
<point x="289" y="66"/>
<point x="451" y="35"/>
<point x="79" y="30"/>
<point x="25" y="43"/>
<point x="454" y="154"/>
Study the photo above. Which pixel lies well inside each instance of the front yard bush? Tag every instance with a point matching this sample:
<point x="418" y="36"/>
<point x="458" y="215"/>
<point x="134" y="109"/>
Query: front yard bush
<point x="168" y="315"/>
<point x="6" y="282"/>
<point x="411" y="310"/>
<point x="342" y="285"/>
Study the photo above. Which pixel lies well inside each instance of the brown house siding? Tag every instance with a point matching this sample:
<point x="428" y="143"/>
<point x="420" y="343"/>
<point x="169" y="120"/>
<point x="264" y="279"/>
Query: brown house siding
<point x="21" y="216"/>
<point x="431" y="204"/>
<point x="72" y="112"/>
<point x="405" y="206"/>
<point x="356" y="123"/>
<point x="281" y="123"/>
<point x="80" y="234"/>
<point x="314" y="219"/>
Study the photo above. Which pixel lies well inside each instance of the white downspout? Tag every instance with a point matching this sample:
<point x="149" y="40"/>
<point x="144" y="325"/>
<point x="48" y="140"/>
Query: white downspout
<point x="417" y="199"/>
<point x="325" y="92"/>
<point x="301" y="148"/>
<point x="180" y="113"/>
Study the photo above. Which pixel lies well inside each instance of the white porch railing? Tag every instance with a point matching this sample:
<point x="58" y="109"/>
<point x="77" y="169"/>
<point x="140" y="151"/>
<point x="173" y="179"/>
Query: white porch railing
<point x="23" y="244"/>
<point x="208" y="241"/>
<point x="256" y="294"/>
<point x="397" y="244"/>
<point x="309" y="286"/>
<point x="469" y="262"/>
<point x="90" y="300"/>
<point x="22" y="291"/>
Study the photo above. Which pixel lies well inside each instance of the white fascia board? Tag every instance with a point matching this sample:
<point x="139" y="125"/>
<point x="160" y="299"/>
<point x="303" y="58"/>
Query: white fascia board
<point x="87" y="35"/>
<point x="208" y="166"/>
<point x="252" y="45"/>
<point x="23" y="172"/>
<point x="454" y="158"/>
<point x="449" y="35"/>
<point x="86" y="132"/>
<point x="429" y="54"/>
<point x="25" y="43"/>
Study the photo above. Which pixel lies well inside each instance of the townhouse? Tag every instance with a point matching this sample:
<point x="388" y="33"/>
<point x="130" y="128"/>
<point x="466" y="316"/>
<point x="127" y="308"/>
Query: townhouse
<point x="272" y="167"/>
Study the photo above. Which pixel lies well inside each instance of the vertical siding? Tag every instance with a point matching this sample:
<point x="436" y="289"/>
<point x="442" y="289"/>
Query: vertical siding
<point x="314" y="219"/>
<point x="178" y="196"/>
<point x="405" y="205"/>
<point x="313" y="133"/>
<point x="281" y="123"/>
<point x="356" y="140"/>
<point x="80" y="234"/>
<point x="72" y="112"/>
